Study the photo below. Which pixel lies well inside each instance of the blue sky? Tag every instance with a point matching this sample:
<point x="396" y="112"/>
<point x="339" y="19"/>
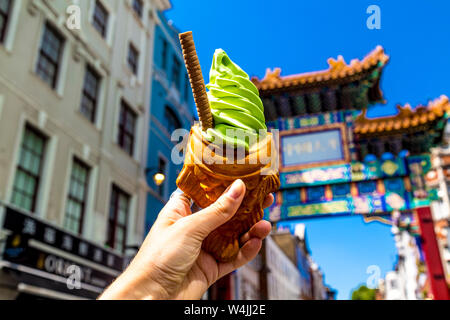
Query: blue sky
<point x="299" y="36"/>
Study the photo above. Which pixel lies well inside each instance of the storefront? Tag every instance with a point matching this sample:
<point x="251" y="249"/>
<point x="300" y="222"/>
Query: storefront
<point x="41" y="261"/>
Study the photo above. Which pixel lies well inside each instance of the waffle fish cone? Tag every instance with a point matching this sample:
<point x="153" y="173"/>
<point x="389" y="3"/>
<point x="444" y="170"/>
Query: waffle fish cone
<point x="207" y="172"/>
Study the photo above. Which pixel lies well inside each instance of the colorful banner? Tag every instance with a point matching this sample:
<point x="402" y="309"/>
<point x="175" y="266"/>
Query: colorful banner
<point x="367" y="204"/>
<point x="355" y="171"/>
<point x="331" y="207"/>
<point x="375" y="187"/>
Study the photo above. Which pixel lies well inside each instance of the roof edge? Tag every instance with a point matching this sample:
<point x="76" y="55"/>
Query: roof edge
<point x="338" y="69"/>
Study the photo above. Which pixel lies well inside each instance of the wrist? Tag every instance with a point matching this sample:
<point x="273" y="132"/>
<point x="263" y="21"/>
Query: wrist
<point x="133" y="285"/>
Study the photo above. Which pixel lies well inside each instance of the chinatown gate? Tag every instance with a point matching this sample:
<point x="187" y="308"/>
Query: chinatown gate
<point x="336" y="161"/>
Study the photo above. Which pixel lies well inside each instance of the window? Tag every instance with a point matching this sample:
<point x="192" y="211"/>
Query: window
<point x="77" y="196"/>
<point x="5" y="10"/>
<point x="176" y="68"/>
<point x="50" y="55"/>
<point x="100" y="18"/>
<point x="89" y="97"/>
<point x="137" y="7"/>
<point x="29" y="167"/>
<point x="187" y="88"/>
<point x="164" y="54"/>
<point x="118" y="216"/>
<point x="394" y="284"/>
<point x="162" y="164"/>
<point x="133" y="59"/>
<point x="172" y="120"/>
<point x="127" y="125"/>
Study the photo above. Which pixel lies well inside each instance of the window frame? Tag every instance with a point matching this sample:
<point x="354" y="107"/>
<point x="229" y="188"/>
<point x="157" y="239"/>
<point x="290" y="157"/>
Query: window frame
<point x="85" y="94"/>
<point x="70" y="197"/>
<point x="187" y="86"/>
<point x="113" y="221"/>
<point x="37" y="178"/>
<point x="165" y="48"/>
<point x="133" y="65"/>
<point x="138" y="9"/>
<point x="172" y="119"/>
<point x="176" y="72"/>
<point x="100" y="26"/>
<point x="48" y="27"/>
<point x="125" y="111"/>
<point x="6" y="16"/>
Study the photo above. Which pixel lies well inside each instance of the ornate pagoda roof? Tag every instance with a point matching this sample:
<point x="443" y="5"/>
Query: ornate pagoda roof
<point x="406" y="119"/>
<point x="339" y="72"/>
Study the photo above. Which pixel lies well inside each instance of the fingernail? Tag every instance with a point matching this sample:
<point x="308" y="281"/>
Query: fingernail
<point x="235" y="190"/>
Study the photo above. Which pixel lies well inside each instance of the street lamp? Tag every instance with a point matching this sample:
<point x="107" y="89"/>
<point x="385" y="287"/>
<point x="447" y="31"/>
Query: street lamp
<point x="158" y="177"/>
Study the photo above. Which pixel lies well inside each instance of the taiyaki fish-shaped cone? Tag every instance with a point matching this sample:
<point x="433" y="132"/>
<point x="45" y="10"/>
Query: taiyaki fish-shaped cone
<point x="207" y="172"/>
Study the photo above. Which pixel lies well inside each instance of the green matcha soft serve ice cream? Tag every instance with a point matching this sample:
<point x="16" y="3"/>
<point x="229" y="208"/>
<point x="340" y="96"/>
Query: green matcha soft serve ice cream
<point x="234" y="102"/>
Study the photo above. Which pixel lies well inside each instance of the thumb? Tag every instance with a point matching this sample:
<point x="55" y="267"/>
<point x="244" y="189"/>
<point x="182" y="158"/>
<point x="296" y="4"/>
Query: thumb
<point x="212" y="217"/>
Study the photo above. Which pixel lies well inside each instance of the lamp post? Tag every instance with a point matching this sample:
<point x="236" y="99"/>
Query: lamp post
<point x="158" y="177"/>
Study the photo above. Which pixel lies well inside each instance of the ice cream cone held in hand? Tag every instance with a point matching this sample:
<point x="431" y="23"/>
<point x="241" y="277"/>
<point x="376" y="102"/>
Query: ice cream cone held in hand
<point x="231" y="143"/>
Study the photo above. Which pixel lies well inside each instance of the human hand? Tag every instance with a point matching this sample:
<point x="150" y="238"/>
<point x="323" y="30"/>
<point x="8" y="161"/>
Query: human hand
<point x="171" y="263"/>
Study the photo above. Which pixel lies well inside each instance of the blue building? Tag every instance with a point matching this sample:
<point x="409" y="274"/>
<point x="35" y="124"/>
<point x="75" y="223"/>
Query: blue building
<point x="172" y="107"/>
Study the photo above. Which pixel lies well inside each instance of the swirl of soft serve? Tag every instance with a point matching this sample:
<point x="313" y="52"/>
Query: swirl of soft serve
<point x="235" y="103"/>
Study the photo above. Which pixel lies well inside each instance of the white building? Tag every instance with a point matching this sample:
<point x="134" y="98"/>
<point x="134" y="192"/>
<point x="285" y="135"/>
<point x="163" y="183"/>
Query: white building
<point x="319" y="290"/>
<point x="74" y="108"/>
<point x="403" y="283"/>
<point x="393" y="288"/>
<point x="248" y="280"/>
<point x="283" y="277"/>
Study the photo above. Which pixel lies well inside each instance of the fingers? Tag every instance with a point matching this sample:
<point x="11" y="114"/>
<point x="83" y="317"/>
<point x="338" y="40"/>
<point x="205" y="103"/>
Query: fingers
<point x="178" y="202"/>
<point x="260" y="230"/>
<point x="178" y="206"/>
<point x="205" y="221"/>
<point x="268" y="201"/>
<point x="246" y="254"/>
<point x="252" y="241"/>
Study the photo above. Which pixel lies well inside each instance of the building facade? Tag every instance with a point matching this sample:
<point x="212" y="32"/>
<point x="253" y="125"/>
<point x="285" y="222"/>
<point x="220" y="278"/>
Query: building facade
<point x="172" y="107"/>
<point x="408" y="280"/>
<point x="283" y="270"/>
<point x="272" y="275"/>
<point x="74" y="103"/>
<point x="247" y="280"/>
<point x="283" y="277"/>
